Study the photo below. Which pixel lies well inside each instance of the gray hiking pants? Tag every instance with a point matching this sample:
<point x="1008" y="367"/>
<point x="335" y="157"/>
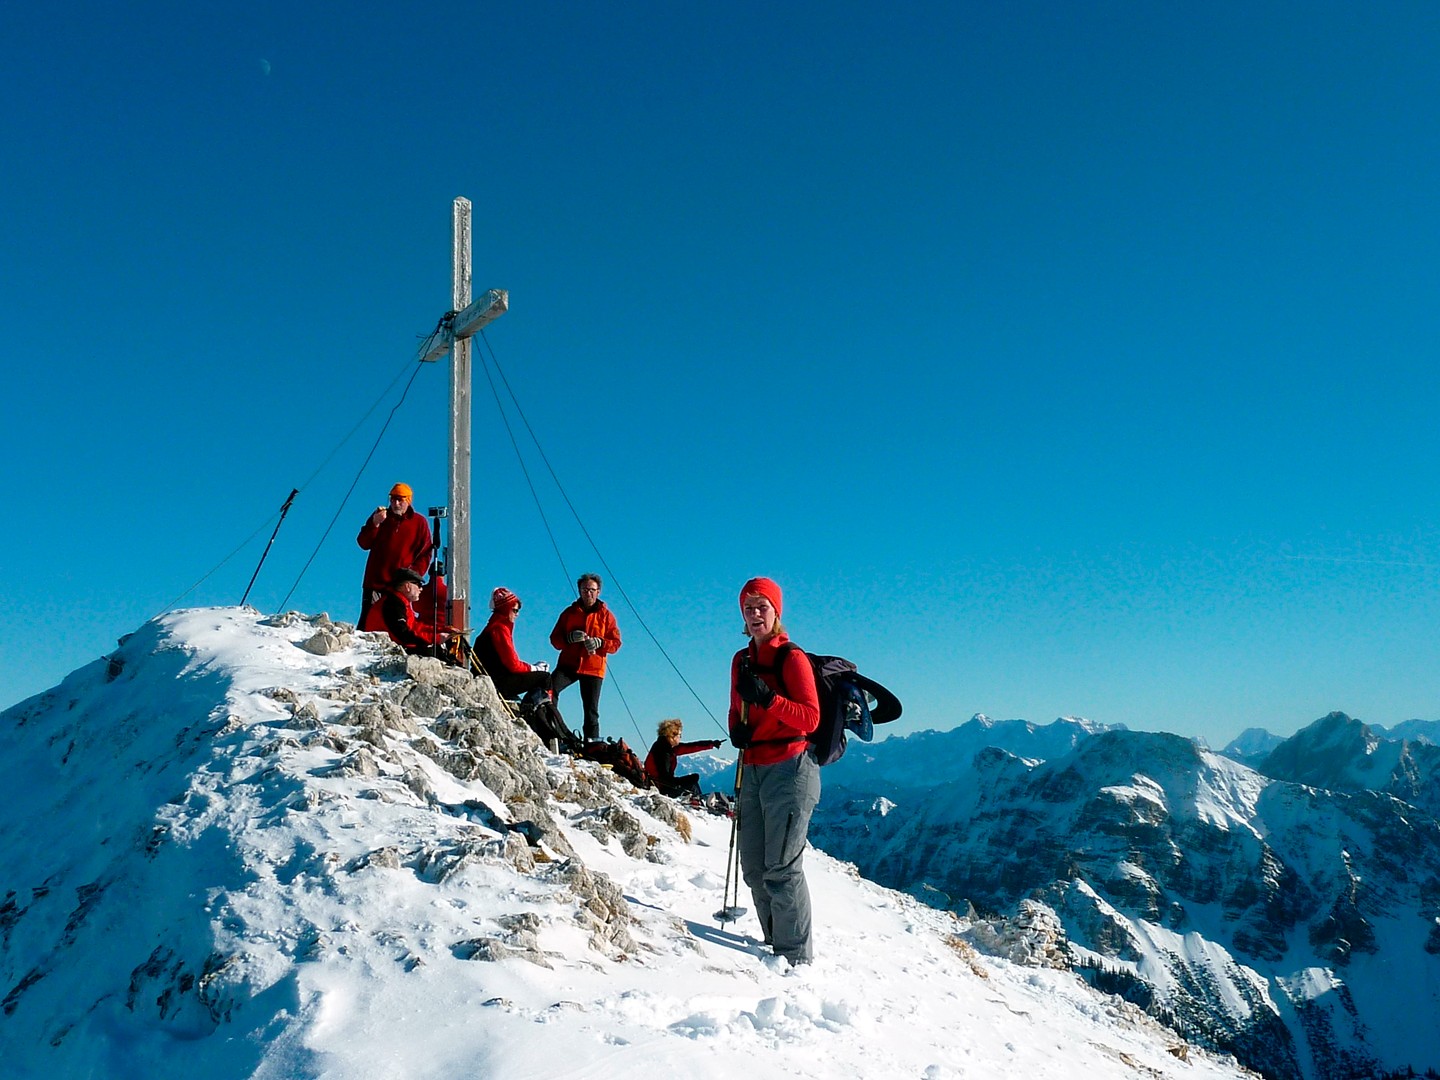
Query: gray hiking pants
<point x="773" y="817"/>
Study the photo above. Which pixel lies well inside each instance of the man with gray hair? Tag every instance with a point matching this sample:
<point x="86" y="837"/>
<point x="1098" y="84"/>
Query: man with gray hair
<point x="585" y="633"/>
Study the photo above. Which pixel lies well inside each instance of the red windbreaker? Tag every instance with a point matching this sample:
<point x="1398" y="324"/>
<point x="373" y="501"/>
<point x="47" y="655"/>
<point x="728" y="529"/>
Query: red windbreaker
<point x="597" y="622"/>
<point x="499" y="643"/>
<point x="788" y="720"/>
<point x="393" y="614"/>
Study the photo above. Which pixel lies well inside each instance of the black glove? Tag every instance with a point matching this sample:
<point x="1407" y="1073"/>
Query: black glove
<point x="594" y="644"/>
<point x="753" y="689"/>
<point x="575" y="637"/>
<point x="739" y="736"/>
<point x="713" y="744"/>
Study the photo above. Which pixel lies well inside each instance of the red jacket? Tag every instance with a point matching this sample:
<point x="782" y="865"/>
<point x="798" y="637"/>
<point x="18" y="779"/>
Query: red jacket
<point x="399" y="540"/>
<point x="597" y="622"/>
<point x="393" y="614"/>
<point x="496" y="643"/>
<point x="433" y="607"/>
<point x="788" y="720"/>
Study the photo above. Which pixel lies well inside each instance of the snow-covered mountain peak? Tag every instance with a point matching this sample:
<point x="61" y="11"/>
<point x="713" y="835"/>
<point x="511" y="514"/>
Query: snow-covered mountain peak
<point x="1252" y="745"/>
<point x="279" y="849"/>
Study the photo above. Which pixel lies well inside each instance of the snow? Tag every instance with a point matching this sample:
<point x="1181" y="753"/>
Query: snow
<point x="178" y="826"/>
<point x="1143" y="789"/>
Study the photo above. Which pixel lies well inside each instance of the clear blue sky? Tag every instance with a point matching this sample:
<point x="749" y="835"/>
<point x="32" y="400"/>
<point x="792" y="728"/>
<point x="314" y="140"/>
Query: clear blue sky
<point x="1055" y="358"/>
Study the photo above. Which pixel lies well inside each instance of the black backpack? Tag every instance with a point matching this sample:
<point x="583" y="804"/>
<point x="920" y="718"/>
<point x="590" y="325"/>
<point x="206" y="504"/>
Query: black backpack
<point x="545" y="720"/>
<point x="849" y="701"/>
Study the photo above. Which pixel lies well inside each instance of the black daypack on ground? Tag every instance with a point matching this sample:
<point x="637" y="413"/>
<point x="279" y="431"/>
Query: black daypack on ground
<point x="545" y="720"/>
<point x="848" y="701"/>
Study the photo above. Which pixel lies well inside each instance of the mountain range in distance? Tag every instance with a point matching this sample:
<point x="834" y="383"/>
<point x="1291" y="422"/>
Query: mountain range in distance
<point x="1279" y="899"/>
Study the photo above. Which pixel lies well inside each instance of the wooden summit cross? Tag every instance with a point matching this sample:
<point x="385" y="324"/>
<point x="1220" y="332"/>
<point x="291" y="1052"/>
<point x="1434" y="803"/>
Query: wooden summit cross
<point x="459" y="325"/>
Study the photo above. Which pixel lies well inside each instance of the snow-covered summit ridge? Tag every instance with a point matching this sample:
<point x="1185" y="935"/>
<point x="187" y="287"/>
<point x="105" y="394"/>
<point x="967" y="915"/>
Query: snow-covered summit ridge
<point x="1253" y="744"/>
<point x="273" y="848"/>
<point x="1339" y="753"/>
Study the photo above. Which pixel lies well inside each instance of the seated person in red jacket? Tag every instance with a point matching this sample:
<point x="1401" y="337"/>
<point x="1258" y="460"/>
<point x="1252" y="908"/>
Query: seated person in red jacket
<point x="660" y="762"/>
<point x="495" y="649"/>
<point x="395" y="614"/>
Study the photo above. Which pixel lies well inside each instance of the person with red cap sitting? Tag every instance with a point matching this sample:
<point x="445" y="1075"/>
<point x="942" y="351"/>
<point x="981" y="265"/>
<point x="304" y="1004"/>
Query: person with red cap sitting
<point x="495" y="649"/>
<point x="774" y="707"/>
<point x="395" y="536"/>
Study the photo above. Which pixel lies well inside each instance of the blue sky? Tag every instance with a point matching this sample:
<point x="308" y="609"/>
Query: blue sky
<point x="1055" y="358"/>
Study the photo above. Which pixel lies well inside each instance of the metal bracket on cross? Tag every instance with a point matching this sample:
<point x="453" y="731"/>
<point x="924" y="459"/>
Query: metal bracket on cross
<point x="467" y="323"/>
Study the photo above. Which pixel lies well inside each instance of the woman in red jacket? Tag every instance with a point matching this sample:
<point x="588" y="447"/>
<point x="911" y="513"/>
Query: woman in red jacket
<point x="773" y="709"/>
<point x="495" y="649"/>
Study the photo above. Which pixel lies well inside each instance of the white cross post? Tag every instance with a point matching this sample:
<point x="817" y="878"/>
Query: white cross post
<point x="464" y="320"/>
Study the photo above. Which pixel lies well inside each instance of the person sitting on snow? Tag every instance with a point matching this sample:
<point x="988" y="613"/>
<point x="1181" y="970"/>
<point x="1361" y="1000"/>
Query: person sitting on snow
<point x="660" y="762"/>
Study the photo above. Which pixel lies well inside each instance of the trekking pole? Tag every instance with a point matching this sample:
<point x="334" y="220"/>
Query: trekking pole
<point x="437" y="571"/>
<point x="283" y="511"/>
<point x="731" y="912"/>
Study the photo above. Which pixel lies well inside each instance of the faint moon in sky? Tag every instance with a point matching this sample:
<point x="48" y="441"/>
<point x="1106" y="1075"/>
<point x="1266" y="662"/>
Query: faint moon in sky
<point x="265" y="67"/>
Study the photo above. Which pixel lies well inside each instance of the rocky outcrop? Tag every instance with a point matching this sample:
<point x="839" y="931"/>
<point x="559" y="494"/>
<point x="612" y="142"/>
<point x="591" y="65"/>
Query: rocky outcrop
<point x="394" y="738"/>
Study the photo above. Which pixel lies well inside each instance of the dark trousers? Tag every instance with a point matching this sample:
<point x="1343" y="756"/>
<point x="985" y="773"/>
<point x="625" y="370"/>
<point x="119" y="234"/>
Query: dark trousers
<point x="512" y="684"/>
<point x="681" y="787"/>
<point x="589" y="697"/>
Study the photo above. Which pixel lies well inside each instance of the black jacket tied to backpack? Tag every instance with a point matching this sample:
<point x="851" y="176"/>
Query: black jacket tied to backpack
<point x="847" y="700"/>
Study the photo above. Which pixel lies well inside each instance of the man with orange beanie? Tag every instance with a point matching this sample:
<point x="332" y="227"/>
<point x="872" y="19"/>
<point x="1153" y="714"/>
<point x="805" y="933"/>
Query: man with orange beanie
<point x="396" y="537"/>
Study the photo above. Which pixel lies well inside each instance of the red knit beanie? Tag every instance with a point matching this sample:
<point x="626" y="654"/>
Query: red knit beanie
<point x="763" y="586"/>
<point x="502" y="599"/>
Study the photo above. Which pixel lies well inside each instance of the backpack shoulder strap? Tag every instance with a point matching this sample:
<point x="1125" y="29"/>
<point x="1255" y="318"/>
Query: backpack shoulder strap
<point x="782" y="653"/>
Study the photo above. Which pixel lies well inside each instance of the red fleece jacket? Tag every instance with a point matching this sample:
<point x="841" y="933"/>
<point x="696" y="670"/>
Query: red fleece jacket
<point x="788" y="719"/>
<point x="499" y="644"/>
<point x="395" y="616"/>
<point x="597" y="622"/>
<point x="399" y="540"/>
